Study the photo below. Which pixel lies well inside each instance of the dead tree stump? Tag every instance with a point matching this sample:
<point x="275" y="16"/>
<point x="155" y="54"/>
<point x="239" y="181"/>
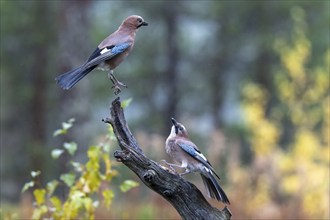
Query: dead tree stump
<point x="183" y="195"/>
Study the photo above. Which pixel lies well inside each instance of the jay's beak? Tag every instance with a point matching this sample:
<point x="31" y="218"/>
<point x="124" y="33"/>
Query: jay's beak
<point x="175" y="123"/>
<point x="143" y="24"/>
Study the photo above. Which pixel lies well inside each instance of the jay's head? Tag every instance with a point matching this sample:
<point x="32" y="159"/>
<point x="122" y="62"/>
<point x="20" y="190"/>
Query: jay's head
<point x="134" y="22"/>
<point x="178" y="129"/>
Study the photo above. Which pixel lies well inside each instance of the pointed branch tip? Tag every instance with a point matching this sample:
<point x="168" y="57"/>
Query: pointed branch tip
<point x="107" y="120"/>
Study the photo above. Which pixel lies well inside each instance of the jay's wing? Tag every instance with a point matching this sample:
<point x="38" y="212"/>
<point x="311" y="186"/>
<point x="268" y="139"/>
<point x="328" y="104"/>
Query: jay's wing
<point x="101" y="55"/>
<point x="196" y="154"/>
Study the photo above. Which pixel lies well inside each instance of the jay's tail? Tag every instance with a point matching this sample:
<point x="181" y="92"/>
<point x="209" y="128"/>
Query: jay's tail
<point x="69" y="79"/>
<point x="213" y="188"/>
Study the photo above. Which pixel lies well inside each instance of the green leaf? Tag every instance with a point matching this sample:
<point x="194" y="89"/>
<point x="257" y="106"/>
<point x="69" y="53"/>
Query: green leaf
<point x="39" y="212"/>
<point x="127" y="185"/>
<point x="106" y="148"/>
<point x="39" y="195"/>
<point x="71" y="120"/>
<point x="77" y="166"/>
<point x="56" y="202"/>
<point x="51" y="186"/>
<point x="59" y="132"/>
<point x="93" y="152"/>
<point x="27" y="186"/>
<point x="35" y="173"/>
<point x="126" y="102"/>
<point x="77" y="194"/>
<point x="68" y="178"/>
<point x="70" y="147"/>
<point x="56" y="153"/>
<point x="108" y="196"/>
<point x="88" y="204"/>
<point x="111" y="134"/>
<point x="66" y="126"/>
<point x="94" y="181"/>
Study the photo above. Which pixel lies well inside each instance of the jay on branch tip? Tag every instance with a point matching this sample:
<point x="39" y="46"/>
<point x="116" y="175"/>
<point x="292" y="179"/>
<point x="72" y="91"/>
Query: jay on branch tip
<point x="108" y="55"/>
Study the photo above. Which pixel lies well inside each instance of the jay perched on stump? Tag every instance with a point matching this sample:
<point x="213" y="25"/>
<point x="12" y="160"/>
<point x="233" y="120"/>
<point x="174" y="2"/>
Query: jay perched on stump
<point x="185" y="152"/>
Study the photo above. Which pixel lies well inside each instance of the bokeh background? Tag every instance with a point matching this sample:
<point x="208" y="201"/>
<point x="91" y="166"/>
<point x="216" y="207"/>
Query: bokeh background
<point x="249" y="79"/>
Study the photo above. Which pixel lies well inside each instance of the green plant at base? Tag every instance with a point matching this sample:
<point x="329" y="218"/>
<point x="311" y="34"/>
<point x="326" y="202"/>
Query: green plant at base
<point x="87" y="183"/>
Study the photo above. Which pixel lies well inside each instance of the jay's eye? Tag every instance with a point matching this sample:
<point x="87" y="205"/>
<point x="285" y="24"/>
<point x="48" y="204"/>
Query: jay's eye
<point x="139" y="20"/>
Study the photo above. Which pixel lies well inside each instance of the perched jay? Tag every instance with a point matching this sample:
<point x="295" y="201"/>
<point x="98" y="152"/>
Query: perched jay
<point x="183" y="151"/>
<point x="108" y="55"/>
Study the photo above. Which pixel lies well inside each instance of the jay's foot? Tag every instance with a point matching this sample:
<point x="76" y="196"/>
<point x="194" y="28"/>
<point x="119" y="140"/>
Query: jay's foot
<point x="116" y="83"/>
<point x="185" y="172"/>
<point x="116" y="88"/>
<point x="170" y="166"/>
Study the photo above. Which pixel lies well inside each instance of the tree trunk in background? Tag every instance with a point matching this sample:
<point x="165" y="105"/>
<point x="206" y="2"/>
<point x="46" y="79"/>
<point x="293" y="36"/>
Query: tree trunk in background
<point x="264" y="59"/>
<point x="38" y="71"/>
<point x="217" y="84"/>
<point x="28" y="31"/>
<point x="73" y="42"/>
<point x="74" y="48"/>
<point x="217" y="79"/>
<point x="171" y="74"/>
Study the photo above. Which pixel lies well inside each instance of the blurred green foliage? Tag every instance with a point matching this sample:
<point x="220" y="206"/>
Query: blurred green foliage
<point x="87" y="184"/>
<point x="249" y="79"/>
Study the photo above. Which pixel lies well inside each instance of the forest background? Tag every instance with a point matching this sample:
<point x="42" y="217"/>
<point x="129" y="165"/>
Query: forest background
<point x="249" y="79"/>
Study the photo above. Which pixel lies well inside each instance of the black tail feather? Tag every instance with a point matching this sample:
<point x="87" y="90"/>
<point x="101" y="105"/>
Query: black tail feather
<point x="69" y="79"/>
<point x="214" y="189"/>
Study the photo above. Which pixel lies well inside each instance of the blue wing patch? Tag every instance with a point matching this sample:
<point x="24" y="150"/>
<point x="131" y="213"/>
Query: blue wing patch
<point x="189" y="149"/>
<point x="120" y="48"/>
<point x="195" y="153"/>
<point x="107" y="53"/>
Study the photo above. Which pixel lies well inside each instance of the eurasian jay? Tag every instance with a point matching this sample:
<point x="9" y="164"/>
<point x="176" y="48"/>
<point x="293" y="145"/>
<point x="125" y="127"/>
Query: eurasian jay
<point x="184" y="151"/>
<point x="108" y="55"/>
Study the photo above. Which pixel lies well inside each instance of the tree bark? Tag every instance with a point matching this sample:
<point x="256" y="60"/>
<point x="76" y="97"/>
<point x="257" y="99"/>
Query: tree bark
<point x="183" y="195"/>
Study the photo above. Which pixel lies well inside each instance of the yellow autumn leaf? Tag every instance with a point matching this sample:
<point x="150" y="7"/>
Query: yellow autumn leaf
<point x="39" y="195"/>
<point x="56" y="202"/>
<point x="108" y="196"/>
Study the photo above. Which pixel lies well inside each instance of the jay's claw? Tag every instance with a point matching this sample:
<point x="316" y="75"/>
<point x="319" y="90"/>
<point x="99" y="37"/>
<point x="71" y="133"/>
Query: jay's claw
<point x="116" y="89"/>
<point x="116" y="83"/>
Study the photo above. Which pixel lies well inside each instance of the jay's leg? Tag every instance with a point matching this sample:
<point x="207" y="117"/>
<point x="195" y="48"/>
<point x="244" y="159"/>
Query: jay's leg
<point x="116" y="83"/>
<point x="171" y="165"/>
<point x="185" y="172"/>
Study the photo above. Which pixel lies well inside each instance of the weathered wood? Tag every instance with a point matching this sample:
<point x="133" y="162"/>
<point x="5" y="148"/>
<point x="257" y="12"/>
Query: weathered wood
<point x="183" y="195"/>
